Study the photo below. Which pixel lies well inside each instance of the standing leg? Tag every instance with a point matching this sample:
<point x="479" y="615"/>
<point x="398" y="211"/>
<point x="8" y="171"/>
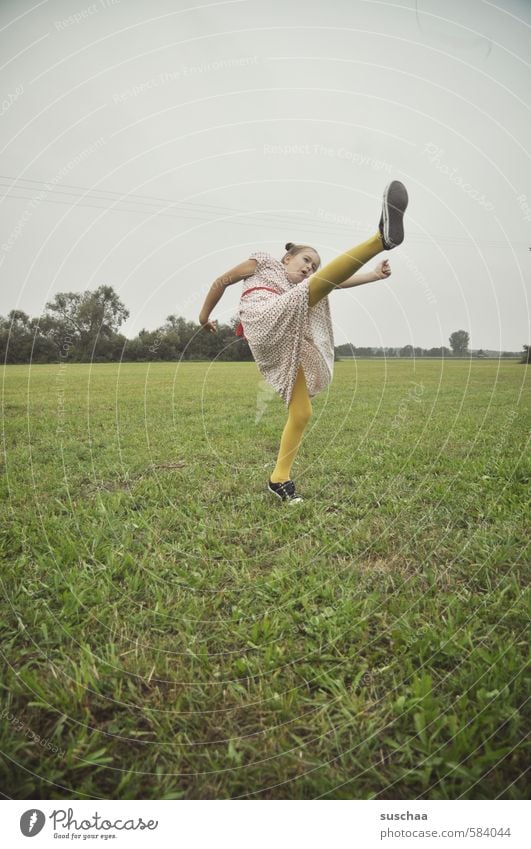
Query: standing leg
<point x="299" y="412"/>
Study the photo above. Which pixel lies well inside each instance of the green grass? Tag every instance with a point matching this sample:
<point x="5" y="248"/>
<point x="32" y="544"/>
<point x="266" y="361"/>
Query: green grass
<point x="176" y="634"/>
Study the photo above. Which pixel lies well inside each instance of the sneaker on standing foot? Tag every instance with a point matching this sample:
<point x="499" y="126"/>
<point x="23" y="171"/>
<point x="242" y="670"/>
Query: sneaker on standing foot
<point x="285" y="491"/>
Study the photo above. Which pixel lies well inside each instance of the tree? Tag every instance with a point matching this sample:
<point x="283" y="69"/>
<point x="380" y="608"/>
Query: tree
<point x="459" y="343"/>
<point x="526" y="356"/>
<point x="347" y="350"/>
<point x="86" y="317"/>
<point x="16" y="337"/>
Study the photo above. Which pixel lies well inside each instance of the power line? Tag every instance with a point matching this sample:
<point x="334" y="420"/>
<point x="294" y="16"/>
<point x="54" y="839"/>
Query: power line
<point x="187" y="210"/>
<point x="104" y="194"/>
<point x="110" y="195"/>
<point x="180" y="209"/>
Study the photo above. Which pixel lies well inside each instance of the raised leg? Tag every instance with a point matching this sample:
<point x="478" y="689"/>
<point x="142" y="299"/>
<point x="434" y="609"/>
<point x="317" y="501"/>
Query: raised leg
<point x="342" y="267"/>
<point x="390" y="234"/>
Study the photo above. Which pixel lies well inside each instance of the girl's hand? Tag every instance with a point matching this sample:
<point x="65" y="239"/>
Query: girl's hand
<point x="383" y="270"/>
<point x="210" y="326"/>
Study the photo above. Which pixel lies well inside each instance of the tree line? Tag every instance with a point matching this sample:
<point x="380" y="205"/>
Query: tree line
<point x="85" y="327"/>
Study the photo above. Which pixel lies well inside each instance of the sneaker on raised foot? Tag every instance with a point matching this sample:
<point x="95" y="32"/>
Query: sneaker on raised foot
<point x="285" y="491"/>
<point x="394" y="205"/>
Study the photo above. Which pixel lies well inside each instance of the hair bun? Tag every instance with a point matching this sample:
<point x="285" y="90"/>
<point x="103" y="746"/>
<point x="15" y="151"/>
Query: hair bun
<point x="290" y="245"/>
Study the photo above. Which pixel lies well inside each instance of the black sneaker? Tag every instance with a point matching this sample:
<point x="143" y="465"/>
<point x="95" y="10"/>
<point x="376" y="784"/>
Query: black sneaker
<point x="394" y="205"/>
<point x="285" y="491"/>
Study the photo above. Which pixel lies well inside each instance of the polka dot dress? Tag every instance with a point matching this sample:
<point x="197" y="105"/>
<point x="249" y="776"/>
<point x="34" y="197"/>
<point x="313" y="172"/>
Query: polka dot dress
<point x="283" y="332"/>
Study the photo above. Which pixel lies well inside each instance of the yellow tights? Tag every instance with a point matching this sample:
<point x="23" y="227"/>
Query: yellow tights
<point x="300" y="406"/>
<point x="299" y="412"/>
<point x="342" y="267"/>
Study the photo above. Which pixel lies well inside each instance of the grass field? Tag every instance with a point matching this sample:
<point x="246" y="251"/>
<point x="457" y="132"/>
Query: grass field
<point x="173" y="633"/>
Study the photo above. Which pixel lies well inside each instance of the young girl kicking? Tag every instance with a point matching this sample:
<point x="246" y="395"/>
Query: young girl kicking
<point x="285" y="314"/>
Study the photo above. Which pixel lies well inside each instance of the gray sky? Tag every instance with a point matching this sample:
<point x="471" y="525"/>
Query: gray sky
<point x="238" y="126"/>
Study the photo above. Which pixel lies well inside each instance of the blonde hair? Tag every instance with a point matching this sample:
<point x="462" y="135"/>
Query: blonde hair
<point x="292" y="250"/>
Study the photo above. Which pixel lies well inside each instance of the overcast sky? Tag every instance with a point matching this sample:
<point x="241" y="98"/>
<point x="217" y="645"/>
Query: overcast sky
<point x="153" y="146"/>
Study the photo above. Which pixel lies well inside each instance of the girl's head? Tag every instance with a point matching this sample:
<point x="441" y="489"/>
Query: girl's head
<point x="301" y="261"/>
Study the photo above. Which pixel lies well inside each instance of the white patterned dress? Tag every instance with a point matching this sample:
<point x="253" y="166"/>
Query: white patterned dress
<point x="283" y="332"/>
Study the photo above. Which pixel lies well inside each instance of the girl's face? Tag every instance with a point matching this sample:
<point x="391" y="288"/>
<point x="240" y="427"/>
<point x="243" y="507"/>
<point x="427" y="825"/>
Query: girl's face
<point x="302" y="265"/>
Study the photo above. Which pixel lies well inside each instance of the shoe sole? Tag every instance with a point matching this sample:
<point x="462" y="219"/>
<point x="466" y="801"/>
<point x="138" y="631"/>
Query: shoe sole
<point x="295" y="500"/>
<point x="395" y="201"/>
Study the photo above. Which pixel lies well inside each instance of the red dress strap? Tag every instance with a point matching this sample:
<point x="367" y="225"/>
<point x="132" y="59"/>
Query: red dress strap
<point x="239" y="327"/>
<point x="254" y="288"/>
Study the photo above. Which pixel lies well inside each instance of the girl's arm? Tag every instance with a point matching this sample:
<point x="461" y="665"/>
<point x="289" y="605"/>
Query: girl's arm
<point x="239" y="272"/>
<point x="382" y="270"/>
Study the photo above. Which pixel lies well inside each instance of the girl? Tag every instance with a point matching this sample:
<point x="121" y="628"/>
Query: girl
<point x="285" y="313"/>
